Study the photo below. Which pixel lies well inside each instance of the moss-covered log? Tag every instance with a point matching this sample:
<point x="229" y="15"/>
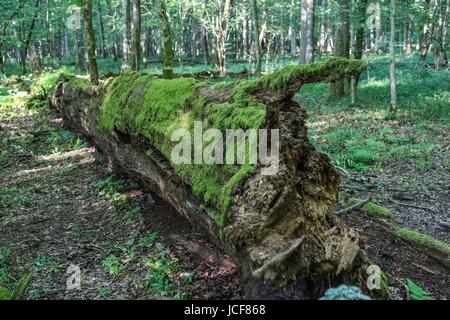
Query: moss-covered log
<point x="281" y="229"/>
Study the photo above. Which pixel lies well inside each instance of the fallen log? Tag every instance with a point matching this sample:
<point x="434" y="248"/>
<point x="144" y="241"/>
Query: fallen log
<point x="281" y="229"/>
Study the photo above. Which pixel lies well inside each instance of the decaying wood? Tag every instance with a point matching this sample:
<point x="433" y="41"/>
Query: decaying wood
<point x="353" y="207"/>
<point x="282" y="230"/>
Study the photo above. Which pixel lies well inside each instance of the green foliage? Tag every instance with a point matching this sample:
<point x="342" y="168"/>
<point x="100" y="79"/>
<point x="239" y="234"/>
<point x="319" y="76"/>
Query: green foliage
<point x="63" y="141"/>
<point x="111" y="189"/>
<point x="104" y="292"/>
<point x="112" y="265"/>
<point x="10" y="287"/>
<point x="416" y="292"/>
<point x="148" y="240"/>
<point x="162" y="268"/>
<point x="424" y="240"/>
<point x="48" y="80"/>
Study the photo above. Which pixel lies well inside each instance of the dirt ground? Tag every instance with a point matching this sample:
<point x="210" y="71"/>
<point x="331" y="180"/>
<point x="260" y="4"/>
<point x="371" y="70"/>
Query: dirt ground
<point x="52" y="216"/>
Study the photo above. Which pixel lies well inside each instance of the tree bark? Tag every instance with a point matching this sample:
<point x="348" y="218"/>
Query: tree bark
<point x="292" y="30"/>
<point x="90" y="38"/>
<point x="280" y="229"/>
<point x="304" y="31"/>
<point x="126" y="32"/>
<point x="360" y="12"/>
<point x="310" y="32"/>
<point x="168" y="53"/>
<point x="136" y="36"/>
<point x="101" y="29"/>
<point x="258" y="64"/>
<point x="26" y="44"/>
<point x="393" y="77"/>
<point x="342" y="46"/>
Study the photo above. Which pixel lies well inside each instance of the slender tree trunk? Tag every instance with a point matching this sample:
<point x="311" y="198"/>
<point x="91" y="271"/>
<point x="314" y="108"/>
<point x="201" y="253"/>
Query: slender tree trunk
<point x="166" y="36"/>
<point x="126" y="11"/>
<point x="222" y="37"/>
<point x="292" y="31"/>
<point x="342" y="46"/>
<point x="26" y="44"/>
<point x="258" y="64"/>
<point x="90" y="39"/>
<point x="205" y="34"/>
<point x="136" y="36"/>
<point x="360" y="13"/>
<point x="101" y="29"/>
<point x="310" y="32"/>
<point x="392" y="58"/>
<point x="304" y="31"/>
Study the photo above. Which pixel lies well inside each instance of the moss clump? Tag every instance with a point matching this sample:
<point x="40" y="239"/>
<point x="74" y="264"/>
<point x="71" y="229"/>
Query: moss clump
<point x="145" y="107"/>
<point x="333" y="68"/>
<point x="77" y="82"/>
<point x="373" y="209"/>
<point x="48" y="80"/>
<point x="424" y="240"/>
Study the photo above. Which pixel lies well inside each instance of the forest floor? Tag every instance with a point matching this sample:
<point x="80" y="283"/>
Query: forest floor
<point x="60" y="207"/>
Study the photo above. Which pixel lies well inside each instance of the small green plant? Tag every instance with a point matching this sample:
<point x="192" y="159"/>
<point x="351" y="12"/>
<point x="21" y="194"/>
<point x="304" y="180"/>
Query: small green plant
<point x="110" y="189"/>
<point x="416" y="292"/>
<point x="112" y="265"/>
<point x="131" y="214"/>
<point x="44" y="261"/>
<point x="148" y="240"/>
<point x="104" y="292"/>
<point x="162" y="268"/>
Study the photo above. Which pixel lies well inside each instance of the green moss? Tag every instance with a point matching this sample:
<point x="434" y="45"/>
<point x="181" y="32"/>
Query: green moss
<point x="146" y="107"/>
<point x="279" y="80"/>
<point x="77" y="82"/>
<point x="373" y="209"/>
<point x="424" y="240"/>
<point x="48" y="80"/>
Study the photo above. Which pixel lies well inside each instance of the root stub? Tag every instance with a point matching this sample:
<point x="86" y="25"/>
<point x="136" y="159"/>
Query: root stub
<point x="280" y="229"/>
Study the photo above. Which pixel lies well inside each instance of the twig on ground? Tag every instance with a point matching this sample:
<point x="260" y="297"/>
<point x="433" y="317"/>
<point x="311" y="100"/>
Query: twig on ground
<point x="353" y="207"/>
<point x="445" y="225"/>
<point x="411" y="205"/>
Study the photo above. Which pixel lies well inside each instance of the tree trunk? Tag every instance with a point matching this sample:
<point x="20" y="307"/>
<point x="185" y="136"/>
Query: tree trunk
<point x="126" y="32"/>
<point x="279" y="226"/>
<point x="101" y="29"/>
<point x="392" y="58"/>
<point x="304" y="32"/>
<point x="258" y="64"/>
<point x="221" y="38"/>
<point x="205" y="35"/>
<point x="342" y="46"/>
<point x="166" y="39"/>
<point x="136" y="36"/>
<point x="360" y="13"/>
<point x="26" y="44"/>
<point x="310" y="32"/>
<point x="292" y="31"/>
<point x="90" y="39"/>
